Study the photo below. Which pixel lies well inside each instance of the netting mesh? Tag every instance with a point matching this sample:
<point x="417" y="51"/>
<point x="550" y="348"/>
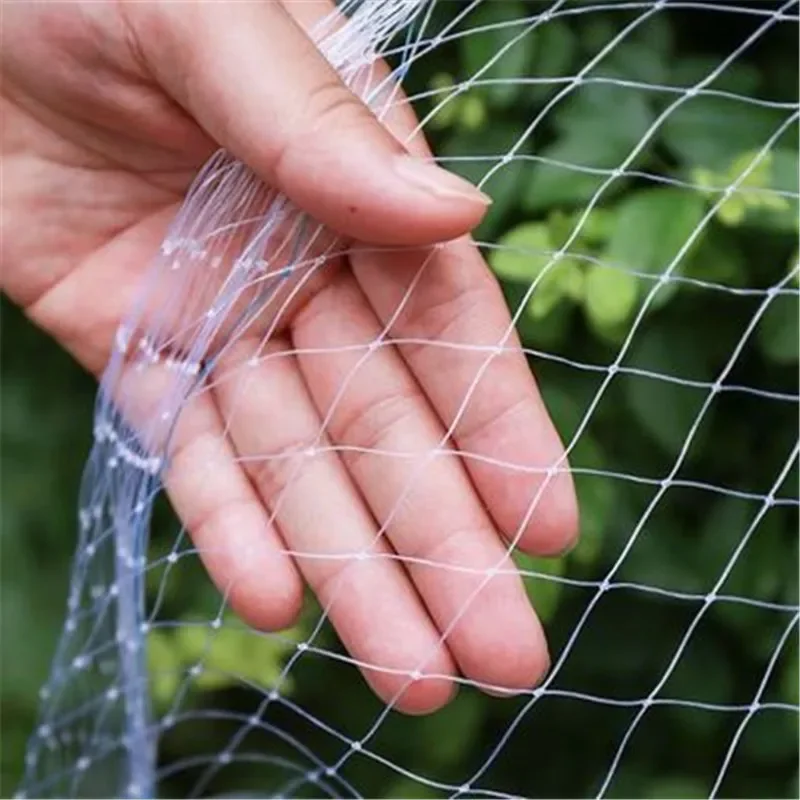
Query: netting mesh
<point x="635" y="172"/>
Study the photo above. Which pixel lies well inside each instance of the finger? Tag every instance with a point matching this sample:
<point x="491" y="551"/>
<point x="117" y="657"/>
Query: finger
<point x="213" y="498"/>
<point x="375" y="81"/>
<point x="298" y="125"/>
<point x="505" y="421"/>
<point x="459" y="565"/>
<point x="329" y="530"/>
<point x="487" y="394"/>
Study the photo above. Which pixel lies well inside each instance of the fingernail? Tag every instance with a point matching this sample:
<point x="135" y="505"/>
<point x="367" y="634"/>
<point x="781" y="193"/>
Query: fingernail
<point x="437" y="181"/>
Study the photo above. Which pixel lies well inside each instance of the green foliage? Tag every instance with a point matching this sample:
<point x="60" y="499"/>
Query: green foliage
<point x="585" y="244"/>
<point x="37" y="533"/>
<point x="528" y="252"/>
<point x="712" y="131"/>
<point x="756" y="177"/>
<point x="594" y="241"/>
<point x="226" y="657"/>
<point x="666" y="407"/>
<point x="779" y="333"/>
<point x="505" y="49"/>
<point x="611" y="296"/>
<point x="653" y="228"/>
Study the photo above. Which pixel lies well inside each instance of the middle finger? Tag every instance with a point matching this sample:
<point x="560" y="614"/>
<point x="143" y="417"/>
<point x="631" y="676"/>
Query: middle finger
<point x="324" y="523"/>
<point x="376" y="410"/>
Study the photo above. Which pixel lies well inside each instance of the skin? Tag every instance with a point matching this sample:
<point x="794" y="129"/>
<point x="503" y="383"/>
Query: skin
<point x="109" y="110"/>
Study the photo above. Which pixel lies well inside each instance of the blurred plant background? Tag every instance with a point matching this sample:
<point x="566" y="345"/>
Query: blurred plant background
<point x="581" y="312"/>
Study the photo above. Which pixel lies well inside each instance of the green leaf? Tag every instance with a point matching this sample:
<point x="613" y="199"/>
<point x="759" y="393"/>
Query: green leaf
<point x="598" y="499"/>
<point x="636" y="58"/>
<point x="716" y="259"/>
<point x="785" y="173"/>
<point x="484" y="46"/>
<point x="592" y="139"/>
<point x="651" y="227"/>
<point x="547" y="333"/>
<point x="554" y="47"/>
<point x="657" y="561"/>
<point x="587" y="107"/>
<point x="503" y="188"/>
<point x="453" y="730"/>
<point x="165" y="667"/>
<point x="526" y="255"/>
<point x="472" y="113"/>
<point x="564" y="407"/>
<point x="596" y="33"/>
<point x="726" y="522"/>
<point x="233" y="653"/>
<point x="666" y="409"/>
<point x="779" y="330"/>
<point x="445" y="103"/>
<point x="756" y="573"/>
<point x="562" y="279"/>
<point x="739" y="78"/>
<point x="573" y="180"/>
<point x="778" y="212"/>
<point x="610" y="296"/>
<point x="526" y="251"/>
<point x="710" y="131"/>
<point x="658" y="34"/>
<point x="771" y="737"/>
<point x="702" y="656"/>
<point x="594" y="229"/>
<point x="762" y="181"/>
<point x="790" y="680"/>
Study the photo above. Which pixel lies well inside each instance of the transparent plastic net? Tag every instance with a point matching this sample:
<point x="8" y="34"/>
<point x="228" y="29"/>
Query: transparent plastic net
<point x="644" y="230"/>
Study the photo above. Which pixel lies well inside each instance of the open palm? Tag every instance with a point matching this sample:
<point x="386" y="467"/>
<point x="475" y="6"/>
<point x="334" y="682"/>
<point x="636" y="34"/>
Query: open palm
<point x="110" y="111"/>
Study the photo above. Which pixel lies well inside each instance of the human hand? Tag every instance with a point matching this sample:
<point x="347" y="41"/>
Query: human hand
<point x="110" y="109"/>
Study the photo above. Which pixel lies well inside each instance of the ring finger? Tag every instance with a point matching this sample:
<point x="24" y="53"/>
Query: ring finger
<point x="327" y="527"/>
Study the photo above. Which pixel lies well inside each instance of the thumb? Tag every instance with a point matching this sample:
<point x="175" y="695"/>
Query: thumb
<point x="259" y="86"/>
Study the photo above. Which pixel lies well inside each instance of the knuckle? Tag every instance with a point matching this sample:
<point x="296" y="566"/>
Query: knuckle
<point x="445" y="316"/>
<point x="369" y="427"/>
<point x="331" y="100"/>
<point x="329" y="106"/>
<point x="447" y="548"/>
<point x="324" y="303"/>
<point x="273" y="472"/>
<point x="205" y="521"/>
<point x="476" y="428"/>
